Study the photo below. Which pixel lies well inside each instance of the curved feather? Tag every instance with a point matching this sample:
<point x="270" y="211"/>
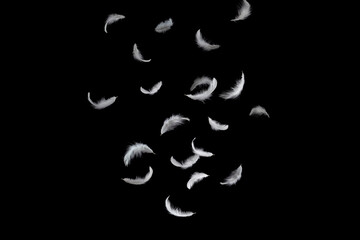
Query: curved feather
<point x="195" y="177"/>
<point x="153" y="90"/>
<point x="235" y="91"/>
<point x="139" y="180"/>
<point x="204" y="44"/>
<point x="200" y="81"/>
<point x="111" y="19"/>
<point x="187" y="163"/>
<point x="244" y="11"/>
<point x="258" y="111"/>
<point x="233" y="177"/>
<point x="172" y="122"/>
<point x="164" y="26"/>
<point x="102" y="103"/>
<point x="137" y="54"/>
<point x="176" y="211"/>
<point x="206" y="94"/>
<point x="216" y="126"/>
<point x="136" y="150"/>
<point x="200" y="151"/>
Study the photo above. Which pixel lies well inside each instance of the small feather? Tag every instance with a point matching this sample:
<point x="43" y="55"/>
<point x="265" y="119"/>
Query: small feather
<point x="102" y="103"/>
<point x="258" y="111"/>
<point x="233" y="177"/>
<point x="204" y="44"/>
<point x="216" y="126"/>
<point x="243" y="12"/>
<point x="111" y="19"/>
<point x="172" y="122"/>
<point x="195" y="177"/>
<point x="200" y="81"/>
<point x="206" y="94"/>
<point x="164" y="26"/>
<point x="137" y="55"/>
<point x="153" y="90"/>
<point x="139" y="180"/>
<point x="187" y="163"/>
<point x="136" y="150"/>
<point x="200" y="151"/>
<point x="176" y="211"/>
<point x="236" y="90"/>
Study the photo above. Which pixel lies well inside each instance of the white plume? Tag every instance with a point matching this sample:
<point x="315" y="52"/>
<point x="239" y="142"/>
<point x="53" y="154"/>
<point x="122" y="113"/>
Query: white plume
<point x="243" y="12"/>
<point x="233" y="177"/>
<point x="258" y="111"/>
<point x="195" y="177"/>
<point x="204" y="44"/>
<point x="136" y="150"/>
<point x="111" y="19"/>
<point x="153" y="90"/>
<point x="200" y="151"/>
<point x="164" y="26"/>
<point x="200" y="81"/>
<point x="206" y="94"/>
<point x="139" y="180"/>
<point x="102" y="103"/>
<point x="216" y="126"/>
<point x="137" y="54"/>
<point x="176" y="211"/>
<point x="172" y="122"/>
<point x="236" y="90"/>
<point x="187" y="163"/>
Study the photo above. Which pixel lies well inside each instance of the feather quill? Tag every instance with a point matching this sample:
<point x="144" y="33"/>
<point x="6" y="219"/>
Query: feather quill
<point x="233" y="177"/>
<point x="216" y="126"/>
<point x="200" y="81"/>
<point x="164" y="26"/>
<point x="137" y="54"/>
<point x="258" y="111"/>
<point x="244" y="11"/>
<point x="235" y="91"/>
<point x="136" y="150"/>
<point x="204" y="44"/>
<point x="139" y="180"/>
<point x="153" y="90"/>
<point x="187" y="163"/>
<point x="111" y="19"/>
<point x="206" y="94"/>
<point x="172" y="122"/>
<point x="102" y="103"/>
<point x="176" y="211"/>
<point x="200" y="151"/>
<point x="195" y="177"/>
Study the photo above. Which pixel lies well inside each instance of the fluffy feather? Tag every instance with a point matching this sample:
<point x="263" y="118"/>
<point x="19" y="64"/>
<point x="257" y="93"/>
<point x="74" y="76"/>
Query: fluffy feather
<point x="216" y="126"/>
<point x="200" y="81"/>
<point x="137" y="54"/>
<point x="172" y="122"/>
<point x="206" y="94"/>
<point x="102" y="103"/>
<point x="200" y="151"/>
<point x="111" y="19"/>
<point x="233" y="177"/>
<point x="153" y="90"/>
<point x="136" y="150"/>
<point x="187" y="163"/>
<point x="176" y="211"/>
<point x="164" y="26"/>
<point x="258" y="111"/>
<point x="195" y="177"/>
<point x="235" y="91"/>
<point x="139" y="180"/>
<point x="243" y="12"/>
<point x="204" y="44"/>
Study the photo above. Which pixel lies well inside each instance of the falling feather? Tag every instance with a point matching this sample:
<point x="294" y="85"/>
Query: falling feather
<point x="189" y="162"/>
<point x="233" y="177"/>
<point x="136" y="150"/>
<point x="137" y="54"/>
<point x="164" y="26"/>
<point x="216" y="126"/>
<point x="176" y="211"/>
<point x="243" y="12"/>
<point x="172" y="122"/>
<point x="235" y="91"/>
<point x="153" y="90"/>
<point x="195" y="177"/>
<point x="102" y="103"/>
<point x="200" y="151"/>
<point x="200" y="81"/>
<point x="111" y="19"/>
<point x="139" y="180"/>
<point x="258" y="111"/>
<point x="206" y="94"/>
<point x="204" y="44"/>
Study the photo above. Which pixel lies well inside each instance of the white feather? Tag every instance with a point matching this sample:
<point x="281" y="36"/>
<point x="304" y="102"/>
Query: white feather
<point x="139" y="180"/>
<point x="243" y="12"/>
<point x="136" y="150"/>
<point x="111" y="19"/>
<point x="200" y="151"/>
<point x="195" y="177"/>
<point x="200" y="81"/>
<point x="206" y="94"/>
<point x="235" y="91"/>
<point x="172" y="122"/>
<point x="204" y="44"/>
<point x="233" y="177"/>
<point x="176" y="211"/>
<point x="187" y="163"/>
<point x="216" y="126"/>
<point x="153" y="90"/>
<point x="102" y="103"/>
<point x="258" y="111"/>
<point x="137" y="54"/>
<point x="164" y="26"/>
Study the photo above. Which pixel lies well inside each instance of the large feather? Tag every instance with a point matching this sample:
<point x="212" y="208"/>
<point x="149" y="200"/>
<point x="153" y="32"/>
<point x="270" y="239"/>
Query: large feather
<point x="139" y="180"/>
<point x="243" y="12"/>
<point x="172" y="122"/>
<point x="216" y="126"/>
<point x="233" y="177"/>
<point x="206" y="94"/>
<point x="200" y="151"/>
<point x="153" y="90"/>
<point x="176" y="211"/>
<point x="195" y="177"/>
<point x="204" y="44"/>
<point x="200" y="81"/>
<point x="187" y="163"/>
<point x="164" y="26"/>
<point x="111" y="19"/>
<point x="258" y="111"/>
<point x="137" y="54"/>
<point x="136" y="150"/>
<point x="102" y="103"/>
<point x="236" y="90"/>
